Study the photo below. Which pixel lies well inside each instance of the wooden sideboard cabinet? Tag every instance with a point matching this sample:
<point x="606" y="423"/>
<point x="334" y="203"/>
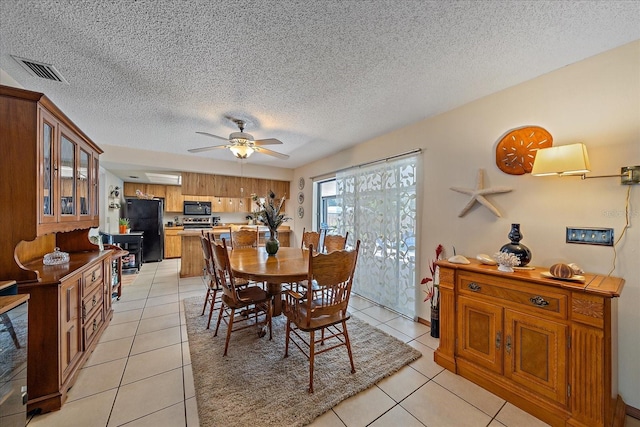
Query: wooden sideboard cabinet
<point x="70" y="307"/>
<point x="548" y="346"/>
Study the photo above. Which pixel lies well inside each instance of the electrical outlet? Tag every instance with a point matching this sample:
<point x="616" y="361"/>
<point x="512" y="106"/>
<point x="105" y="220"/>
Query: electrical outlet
<point x="590" y="236"/>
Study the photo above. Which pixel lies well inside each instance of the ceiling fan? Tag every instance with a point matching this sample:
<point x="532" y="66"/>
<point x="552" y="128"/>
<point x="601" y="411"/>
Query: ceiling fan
<point x="242" y="144"/>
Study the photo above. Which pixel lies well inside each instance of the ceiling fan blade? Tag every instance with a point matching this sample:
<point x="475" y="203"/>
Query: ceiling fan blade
<point x="212" y="147"/>
<point x="271" y="153"/>
<point x="268" y="141"/>
<point x="213" y="136"/>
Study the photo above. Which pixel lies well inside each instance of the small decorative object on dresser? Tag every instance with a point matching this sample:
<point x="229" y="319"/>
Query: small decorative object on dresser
<point x="515" y="247"/>
<point x="506" y="261"/>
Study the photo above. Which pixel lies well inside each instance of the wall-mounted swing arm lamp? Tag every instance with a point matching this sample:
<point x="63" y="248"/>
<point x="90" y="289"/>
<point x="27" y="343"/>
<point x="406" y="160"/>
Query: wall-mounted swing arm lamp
<point x="572" y="159"/>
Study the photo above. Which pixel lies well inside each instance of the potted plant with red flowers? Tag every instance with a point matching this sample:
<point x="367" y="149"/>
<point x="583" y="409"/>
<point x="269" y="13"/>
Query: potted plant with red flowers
<point x="433" y="293"/>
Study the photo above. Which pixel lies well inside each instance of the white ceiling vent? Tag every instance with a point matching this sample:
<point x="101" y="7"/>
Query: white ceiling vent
<point x="40" y="69"/>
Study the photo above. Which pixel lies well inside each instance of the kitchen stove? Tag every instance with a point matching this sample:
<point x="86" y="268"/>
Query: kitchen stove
<point x="200" y="222"/>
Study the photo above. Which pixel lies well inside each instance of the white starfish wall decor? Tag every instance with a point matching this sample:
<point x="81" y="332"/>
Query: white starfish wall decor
<point x="477" y="195"/>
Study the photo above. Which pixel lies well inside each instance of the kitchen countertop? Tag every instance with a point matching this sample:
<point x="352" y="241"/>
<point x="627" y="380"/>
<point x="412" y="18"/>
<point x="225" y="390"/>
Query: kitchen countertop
<point x="224" y="229"/>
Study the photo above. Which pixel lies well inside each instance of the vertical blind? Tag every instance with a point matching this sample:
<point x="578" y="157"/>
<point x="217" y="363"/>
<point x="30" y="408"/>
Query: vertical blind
<point x="379" y="208"/>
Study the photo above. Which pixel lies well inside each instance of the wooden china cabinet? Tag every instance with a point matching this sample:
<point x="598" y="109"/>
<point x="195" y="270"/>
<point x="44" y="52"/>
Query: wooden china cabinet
<point x="547" y="346"/>
<point x="49" y="198"/>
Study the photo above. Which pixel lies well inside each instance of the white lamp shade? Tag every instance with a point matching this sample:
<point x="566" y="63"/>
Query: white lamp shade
<point x="241" y="151"/>
<point x="569" y="159"/>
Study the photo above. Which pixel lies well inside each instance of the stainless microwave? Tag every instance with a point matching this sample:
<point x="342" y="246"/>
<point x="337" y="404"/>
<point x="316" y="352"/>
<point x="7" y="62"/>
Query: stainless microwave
<point x="196" y="208"/>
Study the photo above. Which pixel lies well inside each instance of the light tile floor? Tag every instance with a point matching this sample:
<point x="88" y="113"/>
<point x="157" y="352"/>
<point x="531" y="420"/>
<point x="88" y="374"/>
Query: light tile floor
<point x="140" y="372"/>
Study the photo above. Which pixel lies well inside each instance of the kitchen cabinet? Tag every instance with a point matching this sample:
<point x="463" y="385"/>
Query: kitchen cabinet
<point x="229" y="204"/>
<point x="155" y="190"/>
<point x="174" y="199"/>
<point x="200" y="184"/>
<point x="48" y="172"/>
<point x="172" y="242"/>
<point x="545" y="345"/>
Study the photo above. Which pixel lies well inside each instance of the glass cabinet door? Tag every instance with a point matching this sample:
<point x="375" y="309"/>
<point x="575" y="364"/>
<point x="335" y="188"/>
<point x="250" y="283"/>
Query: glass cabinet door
<point x="48" y="168"/>
<point x="84" y="195"/>
<point x="95" y="181"/>
<point x="67" y="176"/>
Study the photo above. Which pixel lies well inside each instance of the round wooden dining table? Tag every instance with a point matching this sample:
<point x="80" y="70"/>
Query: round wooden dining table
<point x="289" y="265"/>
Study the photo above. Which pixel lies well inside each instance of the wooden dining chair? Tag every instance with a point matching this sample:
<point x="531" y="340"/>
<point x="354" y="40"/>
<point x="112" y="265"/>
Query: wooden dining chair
<point x="249" y="300"/>
<point x="210" y="279"/>
<point x="244" y="238"/>
<point x="334" y="242"/>
<point x="310" y="238"/>
<point x="322" y="309"/>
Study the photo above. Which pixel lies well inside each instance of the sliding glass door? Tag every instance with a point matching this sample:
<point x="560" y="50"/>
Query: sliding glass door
<point x="378" y="206"/>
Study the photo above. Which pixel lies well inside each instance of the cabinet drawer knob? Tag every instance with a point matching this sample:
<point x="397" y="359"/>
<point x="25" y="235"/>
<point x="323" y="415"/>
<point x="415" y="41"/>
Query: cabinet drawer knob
<point x="508" y="345"/>
<point x="474" y="287"/>
<point x="498" y="339"/>
<point x="93" y="302"/>
<point x="538" y="301"/>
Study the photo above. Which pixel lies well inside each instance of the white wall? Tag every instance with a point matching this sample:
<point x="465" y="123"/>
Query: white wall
<point x="109" y="217"/>
<point x="595" y="101"/>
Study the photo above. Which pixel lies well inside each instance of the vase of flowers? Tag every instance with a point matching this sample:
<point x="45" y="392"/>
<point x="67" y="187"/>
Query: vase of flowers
<point x="433" y="293"/>
<point x="269" y="213"/>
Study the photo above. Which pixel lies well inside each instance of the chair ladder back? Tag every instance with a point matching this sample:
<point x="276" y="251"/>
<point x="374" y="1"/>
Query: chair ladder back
<point x="310" y="238"/>
<point x="244" y="238"/>
<point x="332" y="274"/>
<point x="223" y="269"/>
<point x="335" y="242"/>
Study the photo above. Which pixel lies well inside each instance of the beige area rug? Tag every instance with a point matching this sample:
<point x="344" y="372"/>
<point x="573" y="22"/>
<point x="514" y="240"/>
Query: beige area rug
<point x="254" y="385"/>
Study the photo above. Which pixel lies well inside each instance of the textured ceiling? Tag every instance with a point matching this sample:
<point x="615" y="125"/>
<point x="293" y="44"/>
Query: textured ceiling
<point x="320" y="75"/>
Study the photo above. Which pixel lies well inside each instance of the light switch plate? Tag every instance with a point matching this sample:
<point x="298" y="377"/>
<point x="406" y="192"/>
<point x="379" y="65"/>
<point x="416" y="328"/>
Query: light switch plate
<point x="590" y="236"/>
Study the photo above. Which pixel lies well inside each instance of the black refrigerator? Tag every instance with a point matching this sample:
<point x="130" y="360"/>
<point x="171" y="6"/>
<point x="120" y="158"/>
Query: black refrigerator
<point x="146" y="216"/>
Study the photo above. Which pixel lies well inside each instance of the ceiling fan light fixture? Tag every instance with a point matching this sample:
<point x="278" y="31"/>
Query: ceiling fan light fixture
<point x="241" y="151"/>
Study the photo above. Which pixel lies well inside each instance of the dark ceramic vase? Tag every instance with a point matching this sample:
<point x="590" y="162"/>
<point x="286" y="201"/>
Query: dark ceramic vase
<point x="272" y="244"/>
<point x="515" y="247"/>
<point x="435" y="322"/>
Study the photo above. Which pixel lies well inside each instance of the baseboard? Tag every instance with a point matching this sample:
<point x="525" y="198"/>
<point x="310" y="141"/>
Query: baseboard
<point x="424" y="322"/>
<point x="633" y="412"/>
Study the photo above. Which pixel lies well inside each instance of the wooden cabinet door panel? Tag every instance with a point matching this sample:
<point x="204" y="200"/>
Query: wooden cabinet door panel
<point x="70" y="333"/>
<point x="172" y="245"/>
<point x="129" y="189"/>
<point x="536" y="354"/>
<point x="480" y="335"/>
<point x="174" y="199"/>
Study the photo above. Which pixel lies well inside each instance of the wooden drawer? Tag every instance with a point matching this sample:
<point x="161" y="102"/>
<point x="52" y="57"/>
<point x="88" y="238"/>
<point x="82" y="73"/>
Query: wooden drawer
<point x="91" y="279"/>
<point x="92" y="302"/>
<point x="516" y="295"/>
<point x="92" y="327"/>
